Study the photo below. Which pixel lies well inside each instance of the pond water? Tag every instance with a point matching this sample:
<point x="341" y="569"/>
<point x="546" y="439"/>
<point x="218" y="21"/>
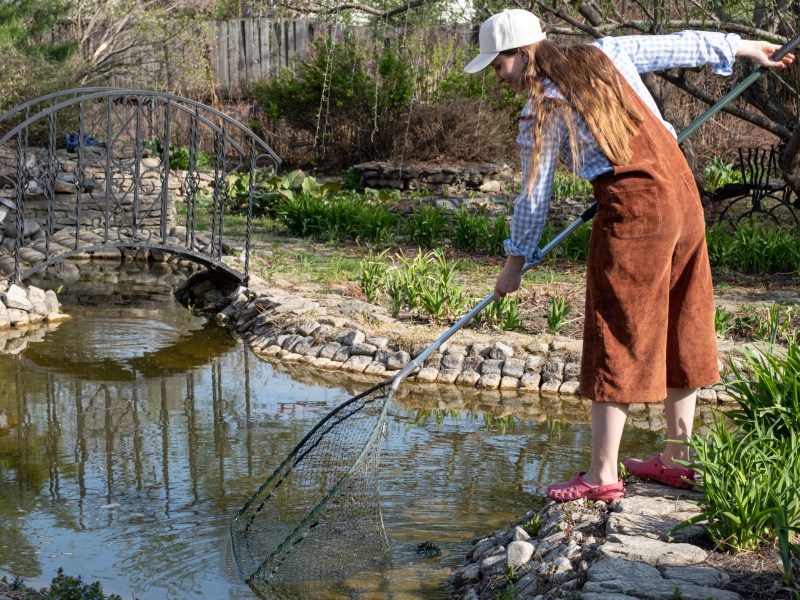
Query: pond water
<point x="131" y="435"/>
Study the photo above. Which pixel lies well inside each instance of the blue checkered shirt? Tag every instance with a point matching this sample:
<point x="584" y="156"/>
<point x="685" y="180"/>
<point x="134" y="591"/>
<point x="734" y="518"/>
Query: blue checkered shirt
<point x="631" y="55"/>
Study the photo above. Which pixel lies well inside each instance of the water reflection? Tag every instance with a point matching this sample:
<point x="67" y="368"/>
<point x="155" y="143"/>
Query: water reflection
<point x="132" y="436"/>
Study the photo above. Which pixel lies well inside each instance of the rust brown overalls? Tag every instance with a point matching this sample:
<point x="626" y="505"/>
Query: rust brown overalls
<point x="649" y="300"/>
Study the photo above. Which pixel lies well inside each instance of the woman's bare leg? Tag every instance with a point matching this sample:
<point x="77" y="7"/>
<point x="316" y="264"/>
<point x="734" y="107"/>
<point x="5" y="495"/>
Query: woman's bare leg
<point x="608" y="421"/>
<point x="679" y="411"/>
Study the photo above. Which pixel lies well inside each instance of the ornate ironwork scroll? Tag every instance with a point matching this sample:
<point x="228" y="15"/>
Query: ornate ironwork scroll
<point x="108" y="168"/>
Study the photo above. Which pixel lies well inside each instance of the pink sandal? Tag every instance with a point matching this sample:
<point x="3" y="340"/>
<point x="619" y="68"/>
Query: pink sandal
<point x="576" y="488"/>
<point x="654" y="469"/>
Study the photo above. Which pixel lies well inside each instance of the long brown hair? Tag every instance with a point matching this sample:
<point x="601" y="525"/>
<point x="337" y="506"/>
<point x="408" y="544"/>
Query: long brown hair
<point x="591" y="85"/>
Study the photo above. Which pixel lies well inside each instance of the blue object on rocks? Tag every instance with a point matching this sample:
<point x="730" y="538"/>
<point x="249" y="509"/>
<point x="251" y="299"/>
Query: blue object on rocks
<point x="73" y="141"/>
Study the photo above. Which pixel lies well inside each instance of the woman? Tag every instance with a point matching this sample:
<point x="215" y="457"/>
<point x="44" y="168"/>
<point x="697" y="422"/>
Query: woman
<point x="649" y="322"/>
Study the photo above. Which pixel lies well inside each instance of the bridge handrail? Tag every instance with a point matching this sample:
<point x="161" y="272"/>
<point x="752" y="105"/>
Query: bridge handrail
<point x="39" y="99"/>
<point x="108" y="92"/>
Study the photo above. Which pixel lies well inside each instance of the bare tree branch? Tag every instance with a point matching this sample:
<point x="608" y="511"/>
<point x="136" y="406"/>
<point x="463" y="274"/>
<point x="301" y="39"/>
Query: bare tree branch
<point x="710" y="99"/>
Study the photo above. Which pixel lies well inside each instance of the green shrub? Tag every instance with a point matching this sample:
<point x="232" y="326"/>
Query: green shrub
<point x="770" y="390"/>
<point x="723" y="320"/>
<point x="748" y="474"/>
<point x="180" y="157"/>
<point x="574" y="247"/>
<point x="748" y="463"/>
<point x="426" y="226"/>
<point x="719" y="173"/>
<point x="752" y="248"/>
<point x="424" y="284"/>
<point x="504" y="314"/>
<point x="557" y="315"/>
<point x="476" y="231"/>
<point x="568" y="185"/>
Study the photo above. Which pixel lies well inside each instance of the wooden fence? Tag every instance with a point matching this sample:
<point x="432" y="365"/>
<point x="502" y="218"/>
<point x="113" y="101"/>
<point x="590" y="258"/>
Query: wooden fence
<point x="237" y="52"/>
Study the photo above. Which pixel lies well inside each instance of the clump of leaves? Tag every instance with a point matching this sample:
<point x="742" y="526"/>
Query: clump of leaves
<point x="557" y="315"/>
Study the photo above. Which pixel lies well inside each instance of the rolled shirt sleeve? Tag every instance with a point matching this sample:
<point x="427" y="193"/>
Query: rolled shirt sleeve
<point x="530" y="207"/>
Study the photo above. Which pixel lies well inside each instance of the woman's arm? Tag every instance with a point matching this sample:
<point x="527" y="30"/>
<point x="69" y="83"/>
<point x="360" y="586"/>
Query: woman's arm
<point x="760" y="52"/>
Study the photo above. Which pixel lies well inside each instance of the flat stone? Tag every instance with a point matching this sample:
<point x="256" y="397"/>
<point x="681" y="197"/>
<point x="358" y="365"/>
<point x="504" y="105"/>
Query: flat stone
<point x="452" y="361"/>
<point x="481" y="548"/>
<point x="534" y="362"/>
<point x="706" y="576"/>
<point x="321" y="363"/>
<point x="471" y="572"/>
<point x="653" y="526"/>
<point x="518" y="553"/>
<point x="509" y="383"/>
<point x="379" y="342"/>
<point x="657" y="589"/>
<point x="330" y="349"/>
<point x="448" y="375"/>
<point x="609" y="569"/>
<point x="572" y="371"/>
<point x="427" y="375"/>
<point x="493" y="564"/>
<point x="514" y="367"/>
<point x="16" y="297"/>
<point x="17" y="317"/>
<point x="357" y="363"/>
<point x="375" y="368"/>
<point x="469" y="378"/>
<point x="500" y="351"/>
<point x="363" y="349"/>
<point x="569" y="388"/>
<point x="707" y="396"/>
<point x="398" y="360"/>
<point x="550" y="387"/>
<point x="343" y="354"/>
<point x="561" y="343"/>
<point x="530" y="381"/>
<point x="655" y="505"/>
<point x="650" y="551"/>
<point x="491" y="366"/>
<point x="290" y="341"/>
<point x="308" y="327"/>
<point x="349" y="338"/>
<point x="304" y="345"/>
<point x="489" y="382"/>
<point x="456" y="349"/>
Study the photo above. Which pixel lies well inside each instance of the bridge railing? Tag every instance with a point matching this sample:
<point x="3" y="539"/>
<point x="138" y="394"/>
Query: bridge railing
<point x="93" y="169"/>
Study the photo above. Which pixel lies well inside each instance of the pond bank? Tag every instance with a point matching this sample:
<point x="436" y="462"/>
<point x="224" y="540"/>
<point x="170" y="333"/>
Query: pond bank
<point x="597" y="551"/>
<point x="625" y="550"/>
<point x="349" y="335"/>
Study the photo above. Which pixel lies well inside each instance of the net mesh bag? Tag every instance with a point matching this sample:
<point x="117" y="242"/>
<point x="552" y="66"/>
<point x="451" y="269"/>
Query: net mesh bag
<point x="325" y="496"/>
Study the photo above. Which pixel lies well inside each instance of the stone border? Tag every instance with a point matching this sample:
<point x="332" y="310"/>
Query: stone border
<point x="597" y="551"/>
<point x="279" y="325"/>
<point x="22" y="307"/>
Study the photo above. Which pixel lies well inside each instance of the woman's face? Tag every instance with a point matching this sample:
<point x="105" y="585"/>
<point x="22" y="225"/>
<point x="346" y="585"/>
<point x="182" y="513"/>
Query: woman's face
<point x="509" y="68"/>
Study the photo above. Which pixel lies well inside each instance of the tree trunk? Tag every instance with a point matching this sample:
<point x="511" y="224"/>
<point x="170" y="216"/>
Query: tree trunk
<point x="790" y="162"/>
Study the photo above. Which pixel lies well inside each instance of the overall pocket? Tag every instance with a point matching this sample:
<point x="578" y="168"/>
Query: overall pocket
<point x="634" y="212"/>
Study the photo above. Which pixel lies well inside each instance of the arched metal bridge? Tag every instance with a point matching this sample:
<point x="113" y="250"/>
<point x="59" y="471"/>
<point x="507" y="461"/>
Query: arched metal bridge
<point x="89" y="170"/>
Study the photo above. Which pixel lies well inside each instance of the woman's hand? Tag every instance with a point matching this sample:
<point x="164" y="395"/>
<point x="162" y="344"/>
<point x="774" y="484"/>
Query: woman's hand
<point x="760" y="52"/>
<point x="510" y="277"/>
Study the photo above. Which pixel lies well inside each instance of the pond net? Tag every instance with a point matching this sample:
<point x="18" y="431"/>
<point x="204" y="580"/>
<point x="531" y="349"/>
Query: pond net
<point x="324" y="495"/>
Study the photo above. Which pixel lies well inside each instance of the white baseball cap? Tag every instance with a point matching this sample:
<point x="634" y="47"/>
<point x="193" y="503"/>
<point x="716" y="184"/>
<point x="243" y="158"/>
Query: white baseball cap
<point x="504" y="31"/>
